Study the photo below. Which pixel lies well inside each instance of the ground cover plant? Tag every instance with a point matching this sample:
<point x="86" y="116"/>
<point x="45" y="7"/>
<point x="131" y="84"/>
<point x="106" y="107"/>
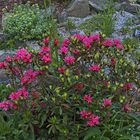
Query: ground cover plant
<point x="78" y="89"/>
<point x="27" y="22"/>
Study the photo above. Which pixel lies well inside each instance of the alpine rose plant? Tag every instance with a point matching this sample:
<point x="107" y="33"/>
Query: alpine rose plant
<point x="78" y="88"/>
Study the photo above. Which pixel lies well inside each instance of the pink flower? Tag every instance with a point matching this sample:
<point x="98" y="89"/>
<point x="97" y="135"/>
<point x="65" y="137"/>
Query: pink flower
<point x="46" y="41"/>
<point x="65" y="43"/>
<point x="76" y="51"/>
<point x="61" y="70"/>
<point x="93" y="120"/>
<point x="63" y="50"/>
<point x="85" y="114"/>
<point x="46" y="58"/>
<point x="87" y="42"/>
<point x="14" y="106"/>
<point x="45" y="55"/>
<point x="8" y="59"/>
<point x="78" y="36"/>
<point x="94" y="67"/>
<point x="55" y="42"/>
<point x="126" y="108"/>
<point x="69" y="59"/>
<point x="95" y="37"/>
<point x="14" y="95"/>
<point x="6" y="104"/>
<point x="22" y="54"/>
<point x="106" y="102"/>
<point x="45" y="49"/>
<point x="87" y="98"/>
<point x="120" y="46"/>
<point x="3" y="65"/>
<point x="29" y="76"/>
<point x="108" y="42"/>
<point x="20" y="93"/>
<point x="117" y="41"/>
<point x="127" y="86"/>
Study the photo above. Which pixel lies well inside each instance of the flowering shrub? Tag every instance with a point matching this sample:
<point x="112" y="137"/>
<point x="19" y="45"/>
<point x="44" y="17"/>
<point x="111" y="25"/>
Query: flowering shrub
<point x="79" y="89"/>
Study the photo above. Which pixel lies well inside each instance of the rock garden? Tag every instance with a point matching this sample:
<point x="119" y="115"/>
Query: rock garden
<point x="70" y="70"/>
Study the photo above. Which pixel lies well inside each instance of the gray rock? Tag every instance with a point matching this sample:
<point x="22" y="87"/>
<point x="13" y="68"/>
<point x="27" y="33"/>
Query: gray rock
<point x="32" y="44"/>
<point x="129" y="7"/>
<point x="3" y="77"/>
<point x="98" y="5"/>
<point x="3" y="54"/>
<point x="138" y="1"/>
<point x="78" y="8"/>
<point x="61" y="17"/>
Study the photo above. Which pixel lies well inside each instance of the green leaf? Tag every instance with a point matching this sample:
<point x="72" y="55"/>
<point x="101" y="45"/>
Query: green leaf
<point x="43" y="119"/>
<point x="125" y="138"/>
<point x="92" y="132"/>
<point x="101" y="138"/>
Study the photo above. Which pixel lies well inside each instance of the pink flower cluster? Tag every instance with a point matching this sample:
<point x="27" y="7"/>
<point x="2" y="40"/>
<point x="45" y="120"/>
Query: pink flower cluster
<point x="63" y="50"/>
<point x="46" y="41"/>
<point x="29" y="76"/>
<point x="127" y="86"/>
<point x="87" y="98"/>
<point x="113" y="42"/>
<point x="94" y="67"/>
<point x="91" y="118"/>
<point x="87" y="40"/>
<point x="3" y="65"/>
<point x="64" y="46"/>
<point x="6" y="104"/>
<point x="94" y="37"/>
<point x="69" y="60"/>
<point x="23" y="55"/>
<point x="44" y="54"/>
<point x="61" y="69"/>
<point x="106" y="102"/>
<point x="8" y="59"/>
<point x="20" y="93"/>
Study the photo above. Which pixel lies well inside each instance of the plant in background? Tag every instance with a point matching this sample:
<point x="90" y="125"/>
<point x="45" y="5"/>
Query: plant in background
<point x="27" y="21"/>
<point x="79" y="89"/>
<point x="102" y="21"/>
<point x="70" y="25"/>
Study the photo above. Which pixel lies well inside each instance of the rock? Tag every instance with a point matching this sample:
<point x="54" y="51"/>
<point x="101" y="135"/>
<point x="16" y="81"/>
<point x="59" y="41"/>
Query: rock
<point x="128" y="7"/>
<point x="78" y="8"/>
<point x="3" y="54"/>
<point x="138" y="1"/>
<point x="32" y="44"/>
<point x="3" y="77"/>
<point x="98" y="5"/>
<point x="61" y="17"/>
